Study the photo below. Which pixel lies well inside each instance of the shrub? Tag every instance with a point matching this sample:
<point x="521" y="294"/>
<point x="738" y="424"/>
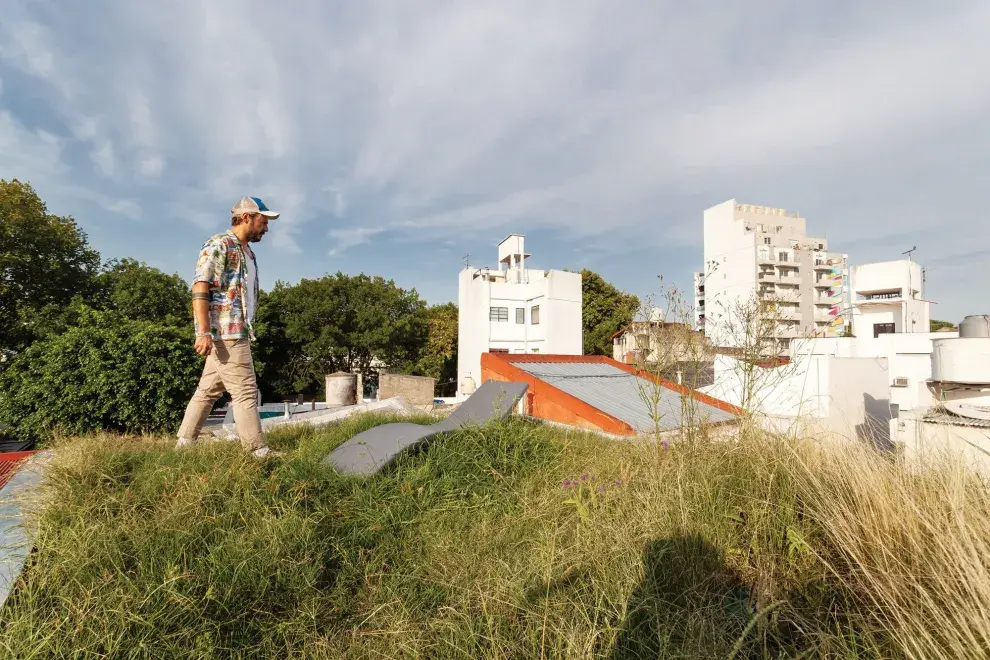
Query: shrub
<point x="104" y="373"/>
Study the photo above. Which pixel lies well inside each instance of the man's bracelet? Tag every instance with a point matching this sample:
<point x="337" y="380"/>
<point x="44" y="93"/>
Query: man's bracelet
<point x="204" y="334"/>
<point x="200" y="296"/>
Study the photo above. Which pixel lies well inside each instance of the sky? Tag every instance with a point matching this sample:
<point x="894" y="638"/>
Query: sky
<point x="398" y="137"/>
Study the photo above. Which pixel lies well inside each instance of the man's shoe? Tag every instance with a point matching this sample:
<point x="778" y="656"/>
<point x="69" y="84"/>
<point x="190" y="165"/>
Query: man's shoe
<point x="264" y="452"/>
<point x="183" y="442"/>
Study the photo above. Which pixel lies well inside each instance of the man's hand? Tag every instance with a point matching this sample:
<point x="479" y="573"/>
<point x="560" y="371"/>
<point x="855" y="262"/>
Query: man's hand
<point x="204" y="345"/>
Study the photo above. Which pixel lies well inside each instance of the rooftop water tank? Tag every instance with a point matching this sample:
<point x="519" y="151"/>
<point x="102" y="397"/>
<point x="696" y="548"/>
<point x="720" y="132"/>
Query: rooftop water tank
<point x="975" y="326"/>
<point x="963" y="360"/>
<point x="341" y="389"/>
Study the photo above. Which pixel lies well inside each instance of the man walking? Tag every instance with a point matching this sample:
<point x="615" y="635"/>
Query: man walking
<point x="224" y="295"/>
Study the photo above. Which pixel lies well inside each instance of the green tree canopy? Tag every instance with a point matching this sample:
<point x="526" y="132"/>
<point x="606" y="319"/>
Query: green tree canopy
<point x="938" y="326"/>
<point x="337" y="323"/>
<point x="605" y="310"/>
<point x="439" y="356"/>
<point x="142" y="293"/>
<point x="44" y="260"/>
<point x="106" y="372"/>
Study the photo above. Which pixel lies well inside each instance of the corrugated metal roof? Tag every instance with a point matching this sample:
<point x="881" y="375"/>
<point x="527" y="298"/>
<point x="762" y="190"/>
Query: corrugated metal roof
<point x="620" y="394"/>
<point x="956" y="420"/>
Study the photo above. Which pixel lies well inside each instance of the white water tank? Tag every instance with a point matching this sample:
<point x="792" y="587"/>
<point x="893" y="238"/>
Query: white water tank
<point x="963" y="360"/>
<point x="467" y="386"/>
<point x="341" y="389"/>
<point x="975" y="326"/>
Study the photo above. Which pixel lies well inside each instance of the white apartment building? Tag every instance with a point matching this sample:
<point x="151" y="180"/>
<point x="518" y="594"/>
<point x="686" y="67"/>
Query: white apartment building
<point x="887" y="297"/>
<point x="515" y="309"/>
<point x="763" y="251"/>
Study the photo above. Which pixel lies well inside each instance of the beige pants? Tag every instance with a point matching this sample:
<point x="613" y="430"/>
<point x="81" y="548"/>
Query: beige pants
<point x="228" y="367"/>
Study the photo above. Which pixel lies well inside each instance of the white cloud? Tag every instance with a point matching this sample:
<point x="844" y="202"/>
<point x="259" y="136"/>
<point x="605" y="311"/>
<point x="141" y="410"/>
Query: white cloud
<point x="345" y="238"/>
<point x="611" y="123"/>
<point x="103" y="158"/>
<point x="152" y="165"/>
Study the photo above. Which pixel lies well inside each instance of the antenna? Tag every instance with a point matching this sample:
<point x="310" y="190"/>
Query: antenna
<point x="467" y="260"/>
<point x="910" y="284"/>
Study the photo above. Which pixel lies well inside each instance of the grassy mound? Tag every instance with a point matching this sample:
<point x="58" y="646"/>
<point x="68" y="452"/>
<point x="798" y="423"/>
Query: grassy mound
<point x="512" y="541"/>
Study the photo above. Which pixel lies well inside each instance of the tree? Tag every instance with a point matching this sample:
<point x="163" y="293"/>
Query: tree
<point x="605" y="310"/>
<point x="281" y="365"/>
<point x="939" y="326"/>
<point x="44" y="260"/>
<point x="338" y="323"/>
<point x="139" y="292"/>
<point x="439" y="357"/>
<point x="106" y="372"/>
<point x="133" y="290"/>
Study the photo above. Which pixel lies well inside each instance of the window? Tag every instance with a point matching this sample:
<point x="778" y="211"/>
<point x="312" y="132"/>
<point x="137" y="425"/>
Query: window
<point x="882" y="329"/>
<point x="536" y="350"/>
<point x="498" y="314"/>
<point x="520" y="314"/>
<point x="782" y="256"/>
<point x="498" y="350"/>
<point x="534" y="315"/>
<point x="766" y="240"/>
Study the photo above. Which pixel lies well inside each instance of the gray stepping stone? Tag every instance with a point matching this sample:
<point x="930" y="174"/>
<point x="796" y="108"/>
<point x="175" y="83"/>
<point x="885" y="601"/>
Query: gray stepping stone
<point x="370" y="451"/>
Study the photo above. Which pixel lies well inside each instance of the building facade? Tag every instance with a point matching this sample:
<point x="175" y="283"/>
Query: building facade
<point x="699" y="301"/>
<point x="763" y="253"/>
<point x="887" y="297"/>
<point x="515" y="309"/>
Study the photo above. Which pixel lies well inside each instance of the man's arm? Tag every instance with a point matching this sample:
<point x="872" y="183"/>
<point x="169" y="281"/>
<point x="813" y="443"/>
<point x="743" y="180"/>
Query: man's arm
<point x="209" y="267"/>
<point x="201" y="312"/>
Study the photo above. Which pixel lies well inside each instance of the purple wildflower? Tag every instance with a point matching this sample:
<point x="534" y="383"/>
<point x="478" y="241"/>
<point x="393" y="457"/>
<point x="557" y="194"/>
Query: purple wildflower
<point x="567" y="483"/>
<point x="584" y="477"/>
<point x="618" y="482"/>
<point x="665" y="444"/>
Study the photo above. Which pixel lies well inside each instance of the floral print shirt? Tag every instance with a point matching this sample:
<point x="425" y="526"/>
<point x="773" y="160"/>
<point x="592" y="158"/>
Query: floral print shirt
<point x="221" y="264"/>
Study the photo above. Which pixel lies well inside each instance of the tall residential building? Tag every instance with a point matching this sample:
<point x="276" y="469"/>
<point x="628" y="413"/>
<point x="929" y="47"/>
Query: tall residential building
<point x="764" y="252"/>
<point x="887" y="297"/>
<point x="515" y="309"/>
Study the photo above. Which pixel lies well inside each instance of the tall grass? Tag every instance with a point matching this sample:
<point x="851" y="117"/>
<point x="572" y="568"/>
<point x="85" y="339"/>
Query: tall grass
<point x="510" y="541"/>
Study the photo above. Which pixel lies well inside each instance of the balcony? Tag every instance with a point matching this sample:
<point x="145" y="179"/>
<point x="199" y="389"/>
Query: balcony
<point x="823" y="317"/>
<point x="789" y="279"/>
<point x="828" y="300"/>
<point x="825" y="283"/>
<point x="766" y="259"/>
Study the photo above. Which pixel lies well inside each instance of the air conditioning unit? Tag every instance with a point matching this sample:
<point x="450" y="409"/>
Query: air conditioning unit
<point x="900" y="381"/>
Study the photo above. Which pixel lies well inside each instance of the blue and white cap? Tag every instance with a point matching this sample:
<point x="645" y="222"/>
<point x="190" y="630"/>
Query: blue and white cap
<point x="253" y="205"/>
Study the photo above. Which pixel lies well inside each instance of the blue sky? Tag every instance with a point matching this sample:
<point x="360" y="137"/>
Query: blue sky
<point x="397" y="137"/>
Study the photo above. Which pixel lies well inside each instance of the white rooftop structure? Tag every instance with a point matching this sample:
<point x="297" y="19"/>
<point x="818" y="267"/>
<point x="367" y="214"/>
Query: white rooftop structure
<point x="515" y="309"/>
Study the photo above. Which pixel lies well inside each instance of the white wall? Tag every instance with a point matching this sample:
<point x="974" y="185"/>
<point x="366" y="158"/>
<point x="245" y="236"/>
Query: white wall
<point x="843" y="397"/>
<point x="730" y="269"/>
<point x="859" y="400"/>
<point x="881" y="276"/>
<point x="559" y="332"/>
<point x="800" y="388"/>
<point x="907" y="356"/>
<point x="866" y="316"/>
<point x="926" y="443"/>
<point x="903" y="279"/>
